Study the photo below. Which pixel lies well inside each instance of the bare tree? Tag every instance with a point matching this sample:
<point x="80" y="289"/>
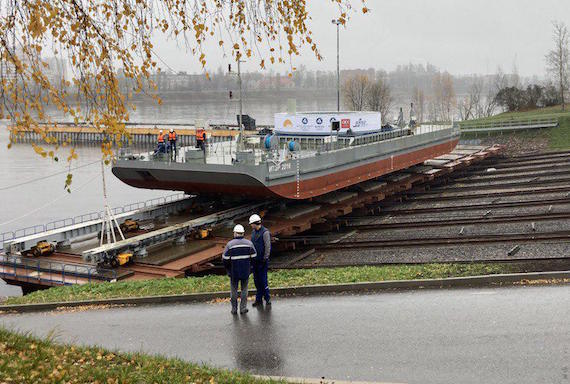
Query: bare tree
<point x="354" y="91"/>
<point x="557" y="59"/>
<point x="475" y="92"/>
<point x="379" y="98"/>
<point x="490" y="103"/>
<point x="448" y="99"/>
<point x="470" y="106"/>
<point x="500" y="80"/>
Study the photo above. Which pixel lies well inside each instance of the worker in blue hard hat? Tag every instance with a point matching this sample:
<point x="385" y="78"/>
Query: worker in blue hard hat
<point x="237" y="258"/>
<point x="261" y="239"/>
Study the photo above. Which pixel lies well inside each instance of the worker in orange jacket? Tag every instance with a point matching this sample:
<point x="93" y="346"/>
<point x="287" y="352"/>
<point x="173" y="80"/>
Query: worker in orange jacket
<point x="201" y="138"/>
<point x="172" y="142"/>
<point x="160" y="141"/>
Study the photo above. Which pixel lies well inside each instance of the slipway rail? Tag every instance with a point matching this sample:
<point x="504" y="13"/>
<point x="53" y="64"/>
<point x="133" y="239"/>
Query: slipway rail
<point x="173" y="246"/>
<point x="138" y="244"/>
<point x="79" y="228"/>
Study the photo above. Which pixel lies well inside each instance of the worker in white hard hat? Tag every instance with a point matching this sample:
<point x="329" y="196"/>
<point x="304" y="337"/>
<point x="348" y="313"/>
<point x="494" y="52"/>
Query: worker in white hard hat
<point x="237" y="258"/>
<point x="261" y="239"/>
<point x="172" y="142"/>
<point x="160" y="141"/>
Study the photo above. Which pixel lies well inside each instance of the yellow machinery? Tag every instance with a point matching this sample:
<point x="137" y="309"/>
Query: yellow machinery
<point x="43" y="248"/>
<point x="202" y="233"/>
<point x="124" y="258"/>
<point x="115" y="261"/>
<point x="129" y="225"/>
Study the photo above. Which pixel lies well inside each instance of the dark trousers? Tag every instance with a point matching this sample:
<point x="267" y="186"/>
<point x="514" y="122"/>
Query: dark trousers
<point x="173" y="149"/>
<point x="234" y="294"/>
<point x="260" y="280"/>
<point x="200" y="144"/>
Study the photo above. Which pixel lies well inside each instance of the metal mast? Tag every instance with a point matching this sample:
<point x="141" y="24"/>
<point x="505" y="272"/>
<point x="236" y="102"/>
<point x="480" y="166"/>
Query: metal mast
<point x="240" y="104"/>
<point x="108" y="217"/>
<point x="337" y="22"/>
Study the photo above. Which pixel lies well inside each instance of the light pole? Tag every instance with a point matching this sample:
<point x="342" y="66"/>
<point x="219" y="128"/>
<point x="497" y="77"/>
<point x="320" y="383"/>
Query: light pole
<point x="337" y="22"/>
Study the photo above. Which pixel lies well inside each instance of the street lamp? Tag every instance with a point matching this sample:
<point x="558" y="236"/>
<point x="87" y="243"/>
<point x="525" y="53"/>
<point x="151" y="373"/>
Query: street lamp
<point x="337" y="22"/>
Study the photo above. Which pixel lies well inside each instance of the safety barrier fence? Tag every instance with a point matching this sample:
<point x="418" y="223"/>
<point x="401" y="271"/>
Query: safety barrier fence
<point x="507" y="125"/>
<point x="37" y="270"/>
<point x="56" y="224"/>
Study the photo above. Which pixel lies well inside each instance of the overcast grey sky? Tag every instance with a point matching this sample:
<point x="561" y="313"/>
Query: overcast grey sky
<point x="463" y="37"/>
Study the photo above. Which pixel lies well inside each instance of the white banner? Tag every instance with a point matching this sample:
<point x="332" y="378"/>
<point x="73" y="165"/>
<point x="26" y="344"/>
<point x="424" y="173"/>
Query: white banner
<point x="314" y="123"/>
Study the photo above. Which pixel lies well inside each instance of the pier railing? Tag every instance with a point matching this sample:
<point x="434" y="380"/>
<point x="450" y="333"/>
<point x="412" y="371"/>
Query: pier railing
<point x="38" y="270"/>
<point x="507" y="125"/>
<point x="61" y="223"/>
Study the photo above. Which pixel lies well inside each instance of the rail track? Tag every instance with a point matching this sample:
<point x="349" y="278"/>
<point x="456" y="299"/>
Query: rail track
<point x="489" y="205"/>
<point x="460" y="221"/>
<point x="439" y="241"/>
<point x="533" y="264"/>
<point x="495" y="204"/>
<point x="390" y="205"/>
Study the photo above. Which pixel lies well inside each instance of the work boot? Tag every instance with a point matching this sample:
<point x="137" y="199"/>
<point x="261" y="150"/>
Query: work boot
<point x="243" y="312"/>
<point x="268" y="302"/>
<point x="234" y="311"/>
<point x="255" y="304"/>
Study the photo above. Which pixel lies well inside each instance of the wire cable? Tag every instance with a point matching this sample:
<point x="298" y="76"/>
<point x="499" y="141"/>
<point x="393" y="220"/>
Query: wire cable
<point x="48" y="203"/>
<point x="47" y="177"/>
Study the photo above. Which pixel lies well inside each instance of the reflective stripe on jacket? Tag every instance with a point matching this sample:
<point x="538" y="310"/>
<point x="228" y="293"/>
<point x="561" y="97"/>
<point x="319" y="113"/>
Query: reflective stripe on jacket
<point x="237" y="256"/>
<point x="172" y="136"/>
<point x="160" y="138"/>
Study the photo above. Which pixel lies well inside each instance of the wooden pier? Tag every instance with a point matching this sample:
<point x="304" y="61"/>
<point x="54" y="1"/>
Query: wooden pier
<point x="139" y="134"/>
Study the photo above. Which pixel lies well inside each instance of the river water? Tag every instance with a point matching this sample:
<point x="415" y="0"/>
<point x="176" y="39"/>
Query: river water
<point x="32" y="188"/>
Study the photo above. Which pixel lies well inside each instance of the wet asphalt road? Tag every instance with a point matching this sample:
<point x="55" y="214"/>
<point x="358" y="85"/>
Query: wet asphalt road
<point x="506" y="335"/>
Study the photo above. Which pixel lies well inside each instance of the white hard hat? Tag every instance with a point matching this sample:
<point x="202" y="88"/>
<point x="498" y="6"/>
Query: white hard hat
<point x="161" y="131"/>
<point x="171" y="129"/>
<point x="254" y="219"/>
<point x="239" y="229"/>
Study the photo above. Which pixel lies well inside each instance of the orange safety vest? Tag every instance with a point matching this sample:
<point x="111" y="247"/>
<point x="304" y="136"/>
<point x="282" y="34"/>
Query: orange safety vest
<point x="200" y="135"/>
<point x="171" y="136"/>
<point x="160" y="138"/>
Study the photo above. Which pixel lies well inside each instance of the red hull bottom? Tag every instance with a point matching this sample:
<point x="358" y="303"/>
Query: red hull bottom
<point x="307" y="188"/>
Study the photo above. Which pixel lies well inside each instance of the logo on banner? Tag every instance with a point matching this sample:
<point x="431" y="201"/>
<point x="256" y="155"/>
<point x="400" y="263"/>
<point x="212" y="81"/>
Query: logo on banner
<point x="345" y="123"/>
<point x="305" y="120"/>
<point x="360" y="123"/>
<point x="319" y="121"/>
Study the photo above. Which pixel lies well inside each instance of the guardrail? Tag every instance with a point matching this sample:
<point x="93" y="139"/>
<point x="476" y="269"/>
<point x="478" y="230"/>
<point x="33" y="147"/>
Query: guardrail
<point x="61" y="223"/>
<point x="51" y="272"/>
<point x="507" y="125"/>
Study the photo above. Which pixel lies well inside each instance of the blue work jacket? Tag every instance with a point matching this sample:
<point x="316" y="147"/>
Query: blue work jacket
<point x="237" y="257"/>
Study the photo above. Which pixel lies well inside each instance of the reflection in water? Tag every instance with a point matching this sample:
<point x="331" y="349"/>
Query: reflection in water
<point x="256" y="343"/>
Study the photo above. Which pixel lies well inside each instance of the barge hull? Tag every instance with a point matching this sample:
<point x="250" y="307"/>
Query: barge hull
<point x="212" y="181"/>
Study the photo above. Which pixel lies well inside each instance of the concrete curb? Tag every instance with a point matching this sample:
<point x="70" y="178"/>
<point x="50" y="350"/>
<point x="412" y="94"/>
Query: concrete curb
<point x="452" y="282"/>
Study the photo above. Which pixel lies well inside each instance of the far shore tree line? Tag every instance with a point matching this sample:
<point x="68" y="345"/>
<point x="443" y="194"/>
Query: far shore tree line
<point x="479" y="96"/>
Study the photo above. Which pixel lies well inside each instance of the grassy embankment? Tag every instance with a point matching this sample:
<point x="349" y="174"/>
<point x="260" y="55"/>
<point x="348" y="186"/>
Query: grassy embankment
<point x="278" y="278"/>
<point x="26" y="359"/>
<point x="558" y="138"/>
